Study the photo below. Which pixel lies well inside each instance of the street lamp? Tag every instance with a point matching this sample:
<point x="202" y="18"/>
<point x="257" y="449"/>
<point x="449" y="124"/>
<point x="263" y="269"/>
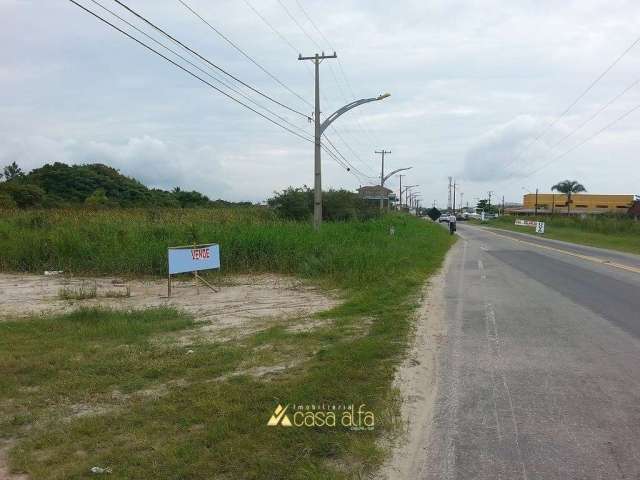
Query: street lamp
<point x="320" y="127"/>
<point x="319" y="130"/>
<point x="406" y="189"/>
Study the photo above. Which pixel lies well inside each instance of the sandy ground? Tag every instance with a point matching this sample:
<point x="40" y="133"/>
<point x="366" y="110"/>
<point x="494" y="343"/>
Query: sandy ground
<point x="240" y="301"/>
<point x="416" y="381"/>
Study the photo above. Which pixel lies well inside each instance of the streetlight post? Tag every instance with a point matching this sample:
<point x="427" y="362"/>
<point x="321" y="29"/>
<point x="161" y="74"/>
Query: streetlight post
<point x="406" y="191"/>
<point x="320" y="127"/>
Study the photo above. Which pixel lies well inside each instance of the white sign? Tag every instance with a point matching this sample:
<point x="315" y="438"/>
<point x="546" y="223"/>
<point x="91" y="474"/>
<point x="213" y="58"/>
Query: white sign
<point x="527" y="223"/>
<point x="482" y="216"/>
<point x="539" y="227"/>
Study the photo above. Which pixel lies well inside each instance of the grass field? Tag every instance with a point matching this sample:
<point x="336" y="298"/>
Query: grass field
<point x="616" y="233"/>
<point x="111" y="389"/>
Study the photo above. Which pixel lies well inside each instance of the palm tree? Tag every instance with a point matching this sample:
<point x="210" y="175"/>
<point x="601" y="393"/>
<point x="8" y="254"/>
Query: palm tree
<point x="569" y="187"/>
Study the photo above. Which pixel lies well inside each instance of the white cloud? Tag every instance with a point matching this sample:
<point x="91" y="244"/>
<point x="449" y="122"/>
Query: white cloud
<point x="73" y="90"/>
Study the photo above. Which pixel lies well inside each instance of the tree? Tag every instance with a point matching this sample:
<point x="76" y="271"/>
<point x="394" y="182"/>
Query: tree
<point x="434" y="213"/>
<point x="485" y="207"/>
<point x="569" y="187"/>
<point x="25" y="196"/>
<point x="12" y="172"/>
<point x="97" y="199"/>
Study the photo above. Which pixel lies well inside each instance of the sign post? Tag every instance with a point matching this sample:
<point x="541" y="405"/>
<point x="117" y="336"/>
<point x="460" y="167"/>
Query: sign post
<point x="193" y="259"/>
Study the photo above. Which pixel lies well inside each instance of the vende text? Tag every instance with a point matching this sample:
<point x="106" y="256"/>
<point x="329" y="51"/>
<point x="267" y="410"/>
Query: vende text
<point x="200" y="253"/>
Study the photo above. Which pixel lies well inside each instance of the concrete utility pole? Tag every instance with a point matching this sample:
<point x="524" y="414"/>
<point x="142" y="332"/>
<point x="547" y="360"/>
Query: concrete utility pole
<point x="490" y="192"/>
<point x="449" y="200"/>
<point x="454" y="197"/>
<point x="535" y="210"/>
<point x="384" y="178"/>
<point x="401" y="189"/>
<point x="502" y="204"/>
<point x="383" y="153"/>
<point x="320" y="127"/>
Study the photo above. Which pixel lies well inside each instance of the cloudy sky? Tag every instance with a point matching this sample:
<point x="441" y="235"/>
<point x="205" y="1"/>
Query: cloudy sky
<point x="478" y="89"/>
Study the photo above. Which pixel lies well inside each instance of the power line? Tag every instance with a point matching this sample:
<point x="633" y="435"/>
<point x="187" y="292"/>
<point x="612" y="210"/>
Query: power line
<point x="245" y="54"/>
<point x="335" y="78"/>
<point x="273" y="29"/>
<point x="187" y="70"/>
<point x="598" y="112"/>
<point x="172" y="38"/>
<point x="588" y="139"/>
<point x="573" y="104"/>
<point x="230" y="87"/>
<point x="352" y="167"/>
<point x="295" y="49"/>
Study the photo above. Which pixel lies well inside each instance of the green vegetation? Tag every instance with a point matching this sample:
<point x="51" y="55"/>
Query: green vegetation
<point x="616" y="232"/>
<point x="337" y="205"/>
<point x="569" y="187"/>
<point x="82" y="389"/>
<point x="93" y="186"/>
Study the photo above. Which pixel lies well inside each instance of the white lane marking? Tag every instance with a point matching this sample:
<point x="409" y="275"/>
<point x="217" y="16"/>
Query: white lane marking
<point x="481" y="267"/>
<point x="490" y="317"/>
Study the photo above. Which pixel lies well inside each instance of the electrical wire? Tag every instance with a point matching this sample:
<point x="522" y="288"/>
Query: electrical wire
<point x="187" y="70"/>
<point x="169" y="36"/>
<point x="245" y="54"/>
<point x="596" y="113"/>
<point x="573" y="104"/>
<point x="588" y="139"/>
<point x="331" y="70"/>
<point x="295" y="49"/>
<point x="222" y="82"/>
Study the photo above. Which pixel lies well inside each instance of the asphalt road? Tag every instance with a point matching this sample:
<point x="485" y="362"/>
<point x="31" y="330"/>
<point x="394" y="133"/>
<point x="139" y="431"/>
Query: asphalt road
<point x="540" y="376"/>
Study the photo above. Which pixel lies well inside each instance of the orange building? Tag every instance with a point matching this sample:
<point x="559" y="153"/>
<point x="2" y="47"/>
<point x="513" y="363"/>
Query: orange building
<point x="580" y="203"/>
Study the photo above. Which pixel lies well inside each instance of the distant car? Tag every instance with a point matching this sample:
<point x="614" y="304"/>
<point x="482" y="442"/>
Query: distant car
<point x="443" y="218"/>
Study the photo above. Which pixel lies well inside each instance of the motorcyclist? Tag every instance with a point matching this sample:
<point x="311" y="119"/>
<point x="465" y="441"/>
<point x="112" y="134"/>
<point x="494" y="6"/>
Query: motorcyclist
<point x="452" y="223"/>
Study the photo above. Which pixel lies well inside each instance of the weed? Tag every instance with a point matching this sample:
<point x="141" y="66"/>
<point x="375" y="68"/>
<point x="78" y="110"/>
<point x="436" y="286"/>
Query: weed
<point x="83" y="292"/>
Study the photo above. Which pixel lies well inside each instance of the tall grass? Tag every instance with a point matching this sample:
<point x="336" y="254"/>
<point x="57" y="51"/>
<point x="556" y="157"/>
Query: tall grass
<point x="251" y="240"/>
<point x="617" y="232"/>
<point x="208" y="429"/>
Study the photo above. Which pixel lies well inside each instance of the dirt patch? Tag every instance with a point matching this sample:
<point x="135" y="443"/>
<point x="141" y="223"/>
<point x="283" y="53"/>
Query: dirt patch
<point x="240" y="300"/>
<point x="416" y="382"/>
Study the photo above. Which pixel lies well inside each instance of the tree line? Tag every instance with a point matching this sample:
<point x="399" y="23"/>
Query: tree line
<point x="59" y="185"/>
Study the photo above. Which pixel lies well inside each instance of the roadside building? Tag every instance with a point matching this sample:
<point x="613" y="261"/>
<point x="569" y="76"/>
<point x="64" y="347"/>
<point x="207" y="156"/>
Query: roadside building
<point x="580" y="203"/>
<point x="374" y="193"/>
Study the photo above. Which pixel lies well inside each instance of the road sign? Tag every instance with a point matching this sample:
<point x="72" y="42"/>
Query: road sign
<point x="539" y="227"/>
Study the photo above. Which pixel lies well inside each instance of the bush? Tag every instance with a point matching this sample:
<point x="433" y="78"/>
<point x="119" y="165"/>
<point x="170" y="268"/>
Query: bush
<point x="337" y="205"/>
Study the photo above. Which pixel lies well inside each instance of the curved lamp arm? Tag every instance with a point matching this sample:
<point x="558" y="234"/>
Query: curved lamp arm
<point x="329" y="120"/>
<point x="387" y="177"/>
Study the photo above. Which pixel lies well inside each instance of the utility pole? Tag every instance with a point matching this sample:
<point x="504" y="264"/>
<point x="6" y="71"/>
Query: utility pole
<point x="383" y="153"/>
<point x="320" y="127"/>
<point x="454" y="197"/>
<point x="449" y="199"/>
<point x="317" y="164"/>
<point x="535" y="210"/>
<point x="461" y="201"/>
<point x="401" y="189"/>
<point x="490" y="192"/>
<point x="502" y="204"/>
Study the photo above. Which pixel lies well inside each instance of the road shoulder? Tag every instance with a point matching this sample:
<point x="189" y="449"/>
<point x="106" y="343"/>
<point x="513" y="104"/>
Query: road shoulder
<point x="416" y="381"/>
